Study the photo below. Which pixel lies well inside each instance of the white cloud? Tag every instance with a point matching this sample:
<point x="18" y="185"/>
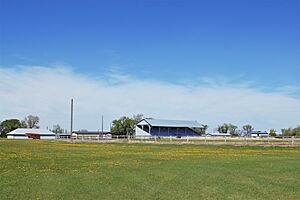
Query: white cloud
<point x="46" y="92"/>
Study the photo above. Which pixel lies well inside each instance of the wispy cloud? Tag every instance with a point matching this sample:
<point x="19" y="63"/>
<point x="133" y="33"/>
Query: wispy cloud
<point x="289" y="90"/>
<point x="46" y="91"/>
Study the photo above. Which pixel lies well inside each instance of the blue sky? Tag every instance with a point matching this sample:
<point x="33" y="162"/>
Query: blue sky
<point x="232" y="42"/>
<point x="159" y="39"/>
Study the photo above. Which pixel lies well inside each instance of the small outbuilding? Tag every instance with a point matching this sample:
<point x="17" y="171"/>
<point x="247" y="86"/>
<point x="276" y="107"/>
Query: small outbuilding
<point x="27" y="133"/>
<point x="91" y="134"/>
<point x="259" y="134"/>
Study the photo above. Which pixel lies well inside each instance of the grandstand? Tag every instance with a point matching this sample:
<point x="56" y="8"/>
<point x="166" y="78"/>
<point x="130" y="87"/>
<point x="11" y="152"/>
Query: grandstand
<point x="149" y="127"/>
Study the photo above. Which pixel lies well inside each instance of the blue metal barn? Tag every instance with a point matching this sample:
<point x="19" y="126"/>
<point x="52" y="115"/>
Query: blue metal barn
<point x="166" y="128"/>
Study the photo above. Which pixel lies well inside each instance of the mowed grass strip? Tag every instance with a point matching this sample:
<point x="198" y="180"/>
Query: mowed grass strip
<point x="38" y="169"/>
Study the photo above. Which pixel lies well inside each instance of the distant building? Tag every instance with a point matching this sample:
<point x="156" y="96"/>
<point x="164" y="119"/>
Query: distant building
<point x="91" y="134"/>
<point x="26" y="133"/>
<point x="259" y="134"/>
<point x="218" y="134"/>
<point x="64" y="135"/>
<point x="166" y="128"/>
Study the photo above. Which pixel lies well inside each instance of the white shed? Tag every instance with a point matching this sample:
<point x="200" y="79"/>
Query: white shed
<point x="259" y="134"/>
<point x="27" y="133"/>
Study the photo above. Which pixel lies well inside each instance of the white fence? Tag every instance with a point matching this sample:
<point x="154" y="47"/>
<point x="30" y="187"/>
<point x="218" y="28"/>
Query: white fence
<point x="212" y="140"/>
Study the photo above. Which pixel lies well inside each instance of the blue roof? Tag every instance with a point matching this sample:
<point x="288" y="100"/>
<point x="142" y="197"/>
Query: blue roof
<point x="171" y="123"/>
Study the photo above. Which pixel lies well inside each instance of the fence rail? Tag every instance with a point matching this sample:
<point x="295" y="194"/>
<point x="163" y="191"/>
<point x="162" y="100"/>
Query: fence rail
<point x="278" y="141"/>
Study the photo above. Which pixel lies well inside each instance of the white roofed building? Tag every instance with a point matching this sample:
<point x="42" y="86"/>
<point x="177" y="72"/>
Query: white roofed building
<point x="27" y="133"/>
<point x="259" y="134"/>
<point x="165" y="128"/>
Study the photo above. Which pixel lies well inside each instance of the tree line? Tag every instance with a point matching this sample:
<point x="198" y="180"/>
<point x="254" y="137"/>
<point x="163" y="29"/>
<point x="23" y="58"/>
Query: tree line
<point x="291" y="131"/>
<point x="31" y="121"/>
<point x="233" y="129"/>
<point x="126" y="126"/>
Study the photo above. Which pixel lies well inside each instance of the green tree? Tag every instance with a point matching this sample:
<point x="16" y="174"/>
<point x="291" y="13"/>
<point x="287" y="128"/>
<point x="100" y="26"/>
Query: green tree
<point x="291" y="131"/>
<point x="248" y="129"/>
<point x="9" y="125"/>
<point x="232" y="129"/>
<point x="227" y="128"/>
<point x="287" y="131"/>
<point x="57" y="129"/>
<point x="123" y="126"/>
<point x="296" y="131"/>
<point x="201" y="130"/>
<point x="223" y="128"/>
<point x="31" y="121"/>
<point x="283" y="131"/>
<point x="272" y="133"/>
<point x="137" y="118"/>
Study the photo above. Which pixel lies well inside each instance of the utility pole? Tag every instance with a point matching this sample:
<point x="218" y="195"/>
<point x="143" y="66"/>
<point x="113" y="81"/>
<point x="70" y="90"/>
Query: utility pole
<point x="71" y="129"/>
<point x="102" y="124"/>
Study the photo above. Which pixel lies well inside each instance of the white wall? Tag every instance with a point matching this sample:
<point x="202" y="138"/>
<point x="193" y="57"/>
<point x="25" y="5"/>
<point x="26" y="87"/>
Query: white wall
<point x="139" y="133"/>
<point x="26" y="137"/>
<point x="17" y="137"/>
<point x="48" y="137"/>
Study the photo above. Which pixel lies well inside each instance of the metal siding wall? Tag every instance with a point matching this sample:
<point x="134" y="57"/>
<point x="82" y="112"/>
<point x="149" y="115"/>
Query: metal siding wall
<point x="48" y="137"/>
<point x="140" y="133"/>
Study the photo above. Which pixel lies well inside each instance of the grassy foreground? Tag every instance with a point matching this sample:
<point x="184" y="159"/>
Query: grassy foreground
<point x="56" y="170"/>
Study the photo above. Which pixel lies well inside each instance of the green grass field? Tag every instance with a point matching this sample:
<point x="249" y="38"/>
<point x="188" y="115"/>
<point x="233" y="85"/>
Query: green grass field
<point x="36" y="169"/>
